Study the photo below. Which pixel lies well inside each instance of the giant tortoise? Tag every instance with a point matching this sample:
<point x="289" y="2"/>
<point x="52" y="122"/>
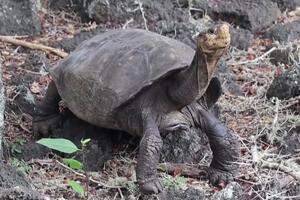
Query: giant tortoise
<point x="144" y="83"/>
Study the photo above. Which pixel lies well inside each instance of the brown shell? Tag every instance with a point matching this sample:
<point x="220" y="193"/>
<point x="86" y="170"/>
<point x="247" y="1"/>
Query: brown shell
<point x="109" y="69"/>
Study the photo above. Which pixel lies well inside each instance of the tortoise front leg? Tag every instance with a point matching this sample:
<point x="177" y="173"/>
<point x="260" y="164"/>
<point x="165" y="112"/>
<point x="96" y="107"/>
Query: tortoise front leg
<point x="148" y="158"/>
<point x="46" y="116"/>
<point x="224" y="145"/>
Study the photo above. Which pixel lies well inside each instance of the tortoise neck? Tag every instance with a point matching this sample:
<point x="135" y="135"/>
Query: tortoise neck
<point x="189" y="84"/>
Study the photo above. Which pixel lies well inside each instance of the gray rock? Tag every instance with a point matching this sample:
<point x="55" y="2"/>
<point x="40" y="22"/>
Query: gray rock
<point x="10" y="178"/>
<point x="13" y="186"/>
<point x="17" y="193"/>
<point x="63" y="4"/>
<point x="241" y="38"/>
<point x="233" y="191"/>
<point x="286" y="85"/>
<point x="172" y="20"/>
<point x="254" y="15"/>
<point x="287" y="4"/>
<point x="177" y="194"/>
<point x="188" y="194"/>
<point x="284" y="32"/>
<point x="185" y="147"/>
<point x="119" y="12"/>
<point x="69" y="44"/>
<point x="287" y="55"/>
<point x="24" y="102"/>
<point x="19" y="17"/>
<point x="291" y="142"/>
<point x="75" y="6"/>
<point x="27" y="151"/>
<point x="2" y="108"/>
<point x="228" y="79"/>
<point x="167" y="17"/>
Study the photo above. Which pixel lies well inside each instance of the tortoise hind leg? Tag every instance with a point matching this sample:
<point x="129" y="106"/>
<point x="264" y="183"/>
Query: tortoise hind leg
<point x="46" y="114"/>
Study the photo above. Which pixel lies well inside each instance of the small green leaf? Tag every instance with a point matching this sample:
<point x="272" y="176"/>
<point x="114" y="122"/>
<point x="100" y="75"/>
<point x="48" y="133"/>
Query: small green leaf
<point x="74" y="164"/>
<point x="77" y="187"/>
<point x="85" y="141"/>
<point x="59" y="144"/>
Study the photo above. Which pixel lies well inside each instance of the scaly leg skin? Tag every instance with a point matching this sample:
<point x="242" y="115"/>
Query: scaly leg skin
<point x="225" y="148"/>
<point x="149" y="152"/>
<point x="46" y="115"/>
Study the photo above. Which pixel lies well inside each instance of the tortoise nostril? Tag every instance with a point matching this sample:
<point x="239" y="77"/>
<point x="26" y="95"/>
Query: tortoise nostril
<point x="211" y="30"/>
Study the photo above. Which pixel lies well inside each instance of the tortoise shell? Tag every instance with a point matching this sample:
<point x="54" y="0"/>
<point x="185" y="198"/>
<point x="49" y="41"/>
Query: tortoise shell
<point x="109" y="69"/>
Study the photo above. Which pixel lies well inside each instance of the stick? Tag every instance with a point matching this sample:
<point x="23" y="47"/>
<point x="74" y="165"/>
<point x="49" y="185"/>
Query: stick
<point x="183" y="170"/>
<point x="82" y="175"/>
<point x="274" y="123"/>
<point x="256" y="59"/>
<point x="281" y="167"/>
<point x="12" y="40"/>
<point x="292" y="102"/>
<point x="143" y="14"/>
<point x="169" y="168"/>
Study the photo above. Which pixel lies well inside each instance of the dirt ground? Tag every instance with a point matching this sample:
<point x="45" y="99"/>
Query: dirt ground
<point x="268" y="170"/>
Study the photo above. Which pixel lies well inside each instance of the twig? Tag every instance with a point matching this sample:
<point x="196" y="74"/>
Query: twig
<point x="127" y="23"/>
<point x="121" y="194"/>
<point x="29" y="71"/>
<point x="143" y="14"/>
<point x="275" y="121"/>
<point x="256" y="59"/>
<point x="15" y="96"/>
<point x="281" y="167"/>
<point x="25" y="129"/>
<point x="292" y="102"/>
<point x="115" y="197"/>
<point x="12" y="40"/>
<point x="82" y="175"/>
<point x="183" y="170"/>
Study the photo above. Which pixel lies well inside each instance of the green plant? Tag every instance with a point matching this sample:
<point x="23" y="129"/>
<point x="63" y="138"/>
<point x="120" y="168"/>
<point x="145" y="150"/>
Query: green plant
<point x="67" y="146"/>
<point x="123" y="182"/>
<point x="15" y="147"/>
<point x="59" y="144"/>
<point x="20" y="165"/>
<point x="177" y="182"/>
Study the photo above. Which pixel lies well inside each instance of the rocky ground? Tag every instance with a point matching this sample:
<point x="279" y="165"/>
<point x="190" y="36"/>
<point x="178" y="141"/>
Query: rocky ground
<point x="262" y="64"/>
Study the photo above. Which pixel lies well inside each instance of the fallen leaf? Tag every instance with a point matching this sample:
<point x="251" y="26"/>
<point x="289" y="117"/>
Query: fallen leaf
<point x="177" y="171"/>
<point x="35" y="88"/>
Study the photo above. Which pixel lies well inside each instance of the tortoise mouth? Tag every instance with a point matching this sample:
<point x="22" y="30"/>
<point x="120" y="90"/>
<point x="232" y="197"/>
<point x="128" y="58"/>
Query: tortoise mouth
<point x="220" y="39"/>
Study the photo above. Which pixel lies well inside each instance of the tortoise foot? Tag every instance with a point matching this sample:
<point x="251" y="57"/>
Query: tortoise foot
<point x="43" y="126"/>
<point x="218" y="176"/>
<point x="153" y="186"/>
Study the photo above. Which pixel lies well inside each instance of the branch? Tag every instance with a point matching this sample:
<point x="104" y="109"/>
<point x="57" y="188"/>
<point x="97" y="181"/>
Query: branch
<point x="256" y="59"/>
<point x="182" y="169"/>
<point x="84" y="176"/>
<point x="143" y="14"/>
<point x="274" y="165"/>
<point x="12" y="40"/>
<point x="291" y="103"/>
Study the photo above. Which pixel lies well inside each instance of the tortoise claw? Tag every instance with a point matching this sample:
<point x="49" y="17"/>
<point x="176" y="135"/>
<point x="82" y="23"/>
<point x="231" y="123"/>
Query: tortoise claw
<point x="44" y="126"/>
<point x="178" y="128"/>
<point x="217" y="176"/>
<point x="153" y="186"/>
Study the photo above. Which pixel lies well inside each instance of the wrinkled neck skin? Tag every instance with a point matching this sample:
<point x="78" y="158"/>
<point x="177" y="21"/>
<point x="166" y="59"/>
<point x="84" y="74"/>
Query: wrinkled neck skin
<point x="189" y="84"/>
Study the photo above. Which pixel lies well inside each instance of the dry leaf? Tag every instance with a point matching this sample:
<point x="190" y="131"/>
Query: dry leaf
<point x="35" y="88"/>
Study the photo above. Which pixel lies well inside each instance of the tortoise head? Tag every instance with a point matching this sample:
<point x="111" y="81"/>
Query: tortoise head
<point x="216" y="42"/>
